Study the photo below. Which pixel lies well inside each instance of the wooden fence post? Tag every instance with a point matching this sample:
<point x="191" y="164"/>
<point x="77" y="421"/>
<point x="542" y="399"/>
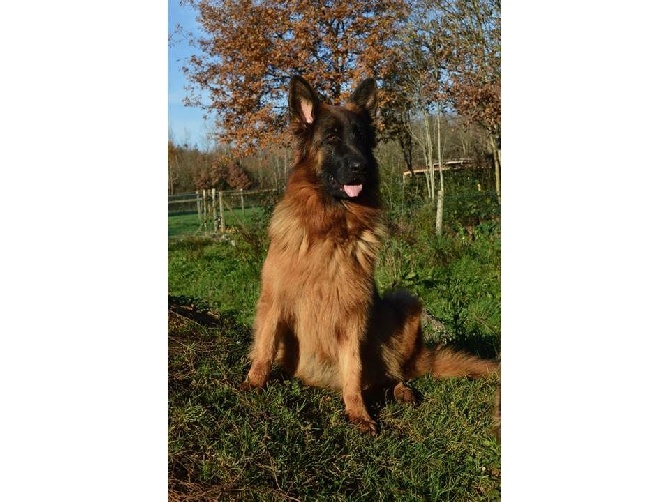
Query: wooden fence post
<point x="204" y="206"/>
<point x="215" y="226"/>
<point x="199" y="204"/>
<point x="223" y="218"/>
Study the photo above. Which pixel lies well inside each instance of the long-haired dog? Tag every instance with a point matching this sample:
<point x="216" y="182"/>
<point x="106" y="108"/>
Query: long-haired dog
<point x="319" y="314"/>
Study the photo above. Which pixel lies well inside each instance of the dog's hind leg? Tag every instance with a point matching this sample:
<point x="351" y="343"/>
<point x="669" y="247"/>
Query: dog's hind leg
<point x="403" y="394"/>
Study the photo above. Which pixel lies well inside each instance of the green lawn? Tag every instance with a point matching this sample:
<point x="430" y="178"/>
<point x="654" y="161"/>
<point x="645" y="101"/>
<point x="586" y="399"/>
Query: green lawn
<point x="291" y="442"/>
<point x="183" y="224"/>
<point x="188" y="224"/>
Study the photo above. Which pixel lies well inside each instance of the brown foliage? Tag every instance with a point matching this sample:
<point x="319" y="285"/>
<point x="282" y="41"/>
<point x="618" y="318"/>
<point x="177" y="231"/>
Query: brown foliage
<point x="213" y="176"/>
<point x="251" y="49"/>
<point x="453" y="58"/>
<point x="472" y="57"/>
<point x="188" y="169"/>
<point x="236" y="177"/>
<point x="224" y="173"/>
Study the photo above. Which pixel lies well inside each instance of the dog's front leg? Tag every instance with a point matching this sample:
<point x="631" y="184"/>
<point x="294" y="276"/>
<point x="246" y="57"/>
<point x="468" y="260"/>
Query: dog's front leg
<point x="267" y="331"/>
<point x="351" y="370"/>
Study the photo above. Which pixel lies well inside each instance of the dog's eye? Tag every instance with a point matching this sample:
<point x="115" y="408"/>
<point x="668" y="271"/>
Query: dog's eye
<point x="333" y="137"/>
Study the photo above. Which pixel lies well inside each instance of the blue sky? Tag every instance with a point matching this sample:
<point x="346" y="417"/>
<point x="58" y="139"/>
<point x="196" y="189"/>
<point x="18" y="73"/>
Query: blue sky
<point x="187" y="123"/>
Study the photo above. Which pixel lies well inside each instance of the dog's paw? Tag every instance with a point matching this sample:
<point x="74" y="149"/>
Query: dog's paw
<point x="365" y="425"/>
<point x="247" y="386"/>
<point x="257" y="377"/>
<point x="403" y="394"/>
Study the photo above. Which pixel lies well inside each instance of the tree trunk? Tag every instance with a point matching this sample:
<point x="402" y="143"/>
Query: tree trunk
<point x="430" y="169"/>
<point x="405" y="140"/>
<point x="440" y="212"/>
<point x="494" y="143"/>
<point x="440" y="195"/>
<point x="173" y="175"/>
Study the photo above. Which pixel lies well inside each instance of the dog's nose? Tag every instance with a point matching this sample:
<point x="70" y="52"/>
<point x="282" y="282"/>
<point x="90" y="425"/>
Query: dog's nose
<point x="356" y="166"/>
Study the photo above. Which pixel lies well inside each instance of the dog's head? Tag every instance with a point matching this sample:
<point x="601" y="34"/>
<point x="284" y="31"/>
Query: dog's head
<point x="337" y="141"/>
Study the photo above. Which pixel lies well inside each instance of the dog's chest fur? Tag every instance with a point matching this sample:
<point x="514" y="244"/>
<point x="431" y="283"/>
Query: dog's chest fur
<point x="320" y="231"/>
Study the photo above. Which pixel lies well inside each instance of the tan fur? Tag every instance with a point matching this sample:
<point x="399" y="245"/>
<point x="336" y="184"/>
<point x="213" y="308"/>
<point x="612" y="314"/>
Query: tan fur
<point x="319" y="314"/>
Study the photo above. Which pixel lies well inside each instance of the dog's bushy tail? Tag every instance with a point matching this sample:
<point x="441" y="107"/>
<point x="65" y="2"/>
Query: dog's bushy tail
<point x="437" y="362"/>
<point x="445" y="362"/>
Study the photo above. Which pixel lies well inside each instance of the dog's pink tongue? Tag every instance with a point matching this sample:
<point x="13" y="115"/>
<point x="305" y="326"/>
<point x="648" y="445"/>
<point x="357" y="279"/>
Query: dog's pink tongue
<point x="353" y="190"/>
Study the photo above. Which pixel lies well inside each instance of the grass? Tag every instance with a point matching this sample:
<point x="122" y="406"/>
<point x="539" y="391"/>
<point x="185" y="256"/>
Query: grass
<point x="187" y="223"/>
<point x="292" y="442"/>
<point x="183" y="224"/>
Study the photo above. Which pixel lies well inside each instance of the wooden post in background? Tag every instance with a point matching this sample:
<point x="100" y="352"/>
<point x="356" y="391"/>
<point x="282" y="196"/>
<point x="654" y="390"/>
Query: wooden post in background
<point x="215" y="225"/>
<point x="223" y="218"/>
<point x="204" y="208"/>
<point x="198" y="203"/>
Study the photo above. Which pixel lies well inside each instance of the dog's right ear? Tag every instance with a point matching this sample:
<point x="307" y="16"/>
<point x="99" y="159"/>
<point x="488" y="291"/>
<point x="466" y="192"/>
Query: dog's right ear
<point x="302" y="101"/>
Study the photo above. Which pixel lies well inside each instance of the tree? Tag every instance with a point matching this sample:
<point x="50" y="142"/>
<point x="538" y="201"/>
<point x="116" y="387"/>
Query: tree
<point x="453" y="65"/>
<point x="223" y="173"/>
<point x="186" y="168"/>
<point x="252" y="48"/>
<point x="174" y="167"/>
<point x="236" y="176"/>
<point x="425" y="81"/>
<point x="472" y="57"/>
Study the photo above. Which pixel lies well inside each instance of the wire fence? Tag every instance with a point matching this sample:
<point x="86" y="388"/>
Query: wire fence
<point x="219" y="211"/>
<point x="215" y="210"/>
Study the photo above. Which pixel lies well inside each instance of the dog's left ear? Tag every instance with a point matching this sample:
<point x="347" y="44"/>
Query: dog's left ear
<point x="365" y="96"/>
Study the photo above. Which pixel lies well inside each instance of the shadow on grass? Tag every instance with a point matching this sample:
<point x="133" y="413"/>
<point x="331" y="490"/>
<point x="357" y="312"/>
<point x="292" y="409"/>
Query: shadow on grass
<point x="206" y="354"/>
<point x="486" y="347"/>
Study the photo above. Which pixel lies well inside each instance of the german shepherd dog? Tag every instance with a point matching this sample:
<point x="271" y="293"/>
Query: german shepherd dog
<point x="319" y="314"/>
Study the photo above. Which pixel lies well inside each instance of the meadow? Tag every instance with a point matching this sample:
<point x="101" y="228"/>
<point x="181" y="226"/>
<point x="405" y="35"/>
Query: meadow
<point x="183" y="224"/>
<point x="291" y="442"/>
